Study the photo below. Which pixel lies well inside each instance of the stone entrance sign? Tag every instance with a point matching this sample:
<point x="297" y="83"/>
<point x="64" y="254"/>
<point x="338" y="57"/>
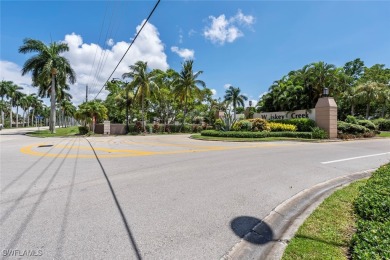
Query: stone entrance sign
<point x="310" y="113"/>
<point x="106" y="127"/>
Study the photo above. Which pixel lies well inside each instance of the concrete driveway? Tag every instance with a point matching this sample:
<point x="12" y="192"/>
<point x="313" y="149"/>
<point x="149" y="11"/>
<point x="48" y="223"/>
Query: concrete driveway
<point x="156" y="197"/>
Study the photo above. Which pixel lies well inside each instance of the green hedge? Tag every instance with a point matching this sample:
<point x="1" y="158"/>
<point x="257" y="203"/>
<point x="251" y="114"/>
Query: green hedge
<point x="372" y="238"/>
<point x="238" y="134"/>
<point x="382" y="124"/>
<point x="347" y="128"/>
<point x="169" y="128"/>
<point x="303" y="124"/>
<point x="368" y="124"/>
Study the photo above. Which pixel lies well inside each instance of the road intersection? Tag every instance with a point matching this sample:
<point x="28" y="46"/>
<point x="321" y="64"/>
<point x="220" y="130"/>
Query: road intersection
<point x="156" y="197"/>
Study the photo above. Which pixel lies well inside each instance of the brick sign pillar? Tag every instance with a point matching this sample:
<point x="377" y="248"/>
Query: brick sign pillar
<point x="106" y="127"/>
<point x="326" y="116"/>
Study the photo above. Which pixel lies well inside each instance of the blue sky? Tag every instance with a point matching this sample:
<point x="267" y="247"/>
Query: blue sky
<point x="247" y="44"/>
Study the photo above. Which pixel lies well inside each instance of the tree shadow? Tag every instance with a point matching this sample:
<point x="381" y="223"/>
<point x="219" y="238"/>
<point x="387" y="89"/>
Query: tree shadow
<point x="252" y="230"/>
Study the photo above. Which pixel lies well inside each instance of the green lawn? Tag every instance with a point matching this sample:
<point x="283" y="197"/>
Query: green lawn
<point x="231" y="139"/>
<point x="326" y="234"/>
<point x="68" y="131"/>
<point x="384" y="134"/>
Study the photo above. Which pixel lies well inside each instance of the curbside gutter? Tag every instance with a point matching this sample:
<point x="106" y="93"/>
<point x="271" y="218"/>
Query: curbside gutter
<point x="285" y="220"/>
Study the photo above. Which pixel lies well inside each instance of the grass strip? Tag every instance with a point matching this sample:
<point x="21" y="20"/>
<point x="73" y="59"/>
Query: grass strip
<point x="384" y="134"/>
<point x="68" y="131"/>
<point x="327" y="232"/>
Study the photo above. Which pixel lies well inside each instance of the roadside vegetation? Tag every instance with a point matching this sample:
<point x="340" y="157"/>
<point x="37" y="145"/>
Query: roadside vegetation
<point x="60" y="132"/>
<point x="353" y="223"/>
<point x="155" y="101"/>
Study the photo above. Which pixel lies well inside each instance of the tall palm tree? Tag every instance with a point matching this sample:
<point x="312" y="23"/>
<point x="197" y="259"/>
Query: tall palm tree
<point x="4" y="89"/>
<point x="187" y="85"/>
<point x="13" y="92"/>
<point x="144" y="83"/>
<point x="234" y="96"/>
<point x="48" y="69"/>
<point x="369" y="92"/>
<point x="24" y="104"/>
<point x="18" y="98"/>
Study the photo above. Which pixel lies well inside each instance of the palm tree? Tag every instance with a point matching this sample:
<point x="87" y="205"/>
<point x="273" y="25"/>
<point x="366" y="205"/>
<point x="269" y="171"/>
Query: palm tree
<point x="233" y="95"/>
<point x="4" y="89"/>
<point x="48" y="69"/>
<point x="92" y="109"/>
<point x="369" y="92"/>
<point x="24" y="104"/>
<point x="13" y="92"/>
<point x="18" y="97"/>
<point x="187" y="85"/>
<point x="143" y="82"/>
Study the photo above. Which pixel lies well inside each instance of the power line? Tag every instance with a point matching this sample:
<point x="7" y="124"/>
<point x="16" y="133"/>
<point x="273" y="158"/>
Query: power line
<point x="147" y="19"/>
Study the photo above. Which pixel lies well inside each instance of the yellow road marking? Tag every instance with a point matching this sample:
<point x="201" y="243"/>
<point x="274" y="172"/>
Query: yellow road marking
<point x="118" y="153"/>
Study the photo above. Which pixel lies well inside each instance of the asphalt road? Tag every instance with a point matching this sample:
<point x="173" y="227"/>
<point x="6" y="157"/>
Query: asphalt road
<point x="155" y="197"/>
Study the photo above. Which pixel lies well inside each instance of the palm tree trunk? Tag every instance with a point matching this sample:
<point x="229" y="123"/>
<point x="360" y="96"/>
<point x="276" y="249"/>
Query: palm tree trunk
<point x="352" y="110"/>
<point x="10" y="115"/>
<point x="142" y="112"/>
<point x="368" y="111"/>
<point x="2" y="112"/>
<point x="28" y="117"/>
<point x="17" y="117"/>
<point x="383" y="111"/>
<point x="234" y="112"/>
<point x="53" y="105"/>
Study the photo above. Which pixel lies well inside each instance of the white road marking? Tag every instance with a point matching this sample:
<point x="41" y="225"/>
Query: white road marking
<point x="354" y="158"/>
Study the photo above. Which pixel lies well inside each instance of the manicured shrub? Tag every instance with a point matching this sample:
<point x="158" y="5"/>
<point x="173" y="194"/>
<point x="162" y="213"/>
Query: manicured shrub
<point x="302" y="124"/>
<point x="263" y="134"/>
<point x="259" y="124"/>
<point x="371" y="240"/>
<point x="347" y="128"/>
<point x="319" y="133"/>
<point x="382" y="124"/>
<point x="372" y="206"/>
<point x="351" y="119"/>
<point x="374" y="200"/>
<point x="367" y="123"/>
<point x="279" y="127"/>
<point x="219" y="124"/>
<point x="83" y="130"/>
<point x="243" y="125"/>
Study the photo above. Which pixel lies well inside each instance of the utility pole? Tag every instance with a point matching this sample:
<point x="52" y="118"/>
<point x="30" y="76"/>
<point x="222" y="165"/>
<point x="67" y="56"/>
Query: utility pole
<point x="86" y="93"/>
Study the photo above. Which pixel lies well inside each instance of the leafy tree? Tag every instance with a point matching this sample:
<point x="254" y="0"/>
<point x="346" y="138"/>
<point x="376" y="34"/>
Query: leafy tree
<point x="91" y="109"/>
<point x="234" y="96"/>
<point x="187" y="85"/>
<point x="48" y="69"/>
<point x="4" y="90"/>
<point x="144" y="83"/>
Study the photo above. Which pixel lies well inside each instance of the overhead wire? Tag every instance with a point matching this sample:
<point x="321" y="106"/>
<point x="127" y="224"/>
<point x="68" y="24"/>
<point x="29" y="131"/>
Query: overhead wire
<point x="131" y="44"/>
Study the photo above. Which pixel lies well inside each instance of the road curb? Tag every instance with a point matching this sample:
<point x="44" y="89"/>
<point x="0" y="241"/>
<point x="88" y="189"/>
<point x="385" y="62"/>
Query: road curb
<point x="285" y="220"/>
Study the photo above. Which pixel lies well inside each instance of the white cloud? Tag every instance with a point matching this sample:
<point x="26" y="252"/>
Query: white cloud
<point x="110" y="42"/>
<point x="224" y="30"/>
<point x="10" y="71"/>
<point x="148" y="47"/>
<point x="226" y="86"/>
<point x="214" y="91"/>
<point x="191" y="33"/>
<point x="186" y="54"/>
<point x="243" y="19"/>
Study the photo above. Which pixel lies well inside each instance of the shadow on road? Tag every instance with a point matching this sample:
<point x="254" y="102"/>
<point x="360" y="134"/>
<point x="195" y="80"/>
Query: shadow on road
<point x="125" y="223"/>
<point x="243" y="227"/>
